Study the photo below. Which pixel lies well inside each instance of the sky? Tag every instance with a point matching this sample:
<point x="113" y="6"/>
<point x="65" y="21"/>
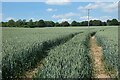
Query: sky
<point x="59" y="11"/>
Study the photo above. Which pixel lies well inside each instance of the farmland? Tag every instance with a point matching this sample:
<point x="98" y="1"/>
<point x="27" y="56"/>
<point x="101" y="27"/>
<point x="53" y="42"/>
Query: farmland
<point x="62" y="52"/>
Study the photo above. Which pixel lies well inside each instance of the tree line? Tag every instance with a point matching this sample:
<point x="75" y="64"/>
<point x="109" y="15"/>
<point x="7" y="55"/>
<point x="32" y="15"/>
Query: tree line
<point x="42" y="23"/>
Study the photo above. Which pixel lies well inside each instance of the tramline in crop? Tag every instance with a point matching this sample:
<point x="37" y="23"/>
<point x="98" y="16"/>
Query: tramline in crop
<point x="108" y="39"/>
<point x="70" y="60"/>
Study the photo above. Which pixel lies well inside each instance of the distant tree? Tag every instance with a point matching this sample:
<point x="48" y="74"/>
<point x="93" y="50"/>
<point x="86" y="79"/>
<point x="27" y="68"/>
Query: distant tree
<point x="119" y="23"/>
<point x="37" y="24"/>
<point x="96" y="23"/>
<point x="65" y="23"/>
<point x="24" y="23"/>
<point x="108" y="22"/>
<point x="74" y="23"/>
<point x="19" y="23"/>
<point x="84" y="23"/>
<point x="41" y="23"/>
<point x="57" y="24"/>
<point x="0" y="24"/>
<point x="91" y="23"/>
<point x="78" y="24"/>
<point x="114" y="22"/>
<point x="4" y="24"/>
<point x="11" y="23"/>
<point x="30" y="24"/>
<point x="104" y="24"/>
<point x="49" y="23"/>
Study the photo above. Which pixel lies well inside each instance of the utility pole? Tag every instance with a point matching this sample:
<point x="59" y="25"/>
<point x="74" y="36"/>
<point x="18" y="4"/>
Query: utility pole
<point x="88" y="17"/>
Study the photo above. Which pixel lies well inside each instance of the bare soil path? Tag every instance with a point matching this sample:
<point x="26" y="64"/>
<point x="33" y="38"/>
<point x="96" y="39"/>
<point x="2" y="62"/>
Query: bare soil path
<point x="30" y="73"/>
<point x="98" y="66"/>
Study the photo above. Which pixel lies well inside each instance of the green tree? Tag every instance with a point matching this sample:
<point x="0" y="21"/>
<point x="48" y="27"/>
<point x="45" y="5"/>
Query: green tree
<point x="96" y="23"/>
<point x="4" y="24"/>
<point x="84" y="23"/>
<point x="49" y="23"/>
<point x="41" y="23"/>
<point x="108" y="22"/>
<point x="104" y="24"/>
<point x="30" y="24"/>
<point x="65" y="23"/>
<point x="11" y="23"/>
<point x="57" y="24"/>
<point x="74" y="23"/>
<point x="19" y="23"/>
<point x="119" y="23"/>
<point x="114" y="22"/>
<point x="24" y="23"/>
<point x="91" y="23"/>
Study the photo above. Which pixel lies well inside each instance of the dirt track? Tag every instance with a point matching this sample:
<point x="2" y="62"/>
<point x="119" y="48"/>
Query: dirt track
<point x="98" y="66"/>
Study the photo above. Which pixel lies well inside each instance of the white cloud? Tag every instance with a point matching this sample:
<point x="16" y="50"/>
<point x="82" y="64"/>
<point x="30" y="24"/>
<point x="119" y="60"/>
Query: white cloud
<point x="67" y="15"/>
<point x="9" y="18"/>
<point x="65" y="19"/>
<point x="105" y="18"/>
<point x="57" y="2"/>
<point x="111" y="7"/>
<point x="89" y="6"/>
<point x="106" y="7"/>
<point x="50" y="9"/>
<point x="85" y="18"/>
<point x="34" y="19"/>
<point x="102" y="18"/>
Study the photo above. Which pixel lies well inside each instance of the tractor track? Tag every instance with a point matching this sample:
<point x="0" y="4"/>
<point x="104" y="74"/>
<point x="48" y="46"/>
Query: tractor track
<point x="98" y="64"/>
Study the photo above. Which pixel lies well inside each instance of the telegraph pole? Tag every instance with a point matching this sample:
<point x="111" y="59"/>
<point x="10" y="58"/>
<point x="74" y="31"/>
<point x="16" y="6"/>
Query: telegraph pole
<point x="88" y="17"/>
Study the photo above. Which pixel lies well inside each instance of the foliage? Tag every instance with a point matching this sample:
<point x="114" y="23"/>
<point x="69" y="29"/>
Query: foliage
<point x="57" y="24"/>
<point x="49" y="23"/>
<point x="96" y="23"/>
<point x="11" y="23"/>
<point x="112" y="22"/>
<point x="84" y="23"/>
<point x="74" y="23"/>
<point x="42" y="23"/>
<point x="65" y="23"/>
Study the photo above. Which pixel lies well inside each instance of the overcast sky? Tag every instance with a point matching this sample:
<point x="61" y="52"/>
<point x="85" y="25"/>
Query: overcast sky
<point x="59" y="11"/>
